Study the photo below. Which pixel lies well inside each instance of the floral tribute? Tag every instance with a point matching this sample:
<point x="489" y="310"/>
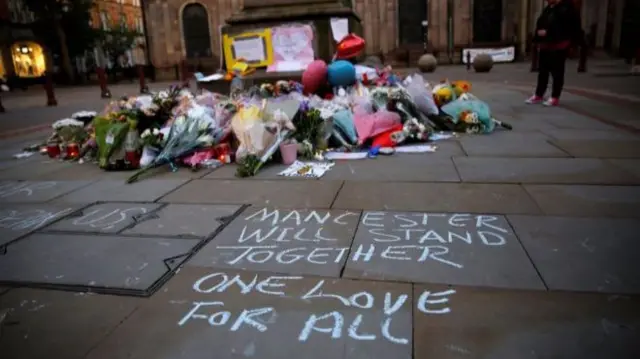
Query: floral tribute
<point x="376" y="114"/>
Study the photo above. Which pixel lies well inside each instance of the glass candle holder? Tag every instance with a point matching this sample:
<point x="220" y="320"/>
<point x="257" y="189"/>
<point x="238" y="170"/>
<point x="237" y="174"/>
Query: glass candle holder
<point x="53" y="150"/>
<point x="73" y="151"/>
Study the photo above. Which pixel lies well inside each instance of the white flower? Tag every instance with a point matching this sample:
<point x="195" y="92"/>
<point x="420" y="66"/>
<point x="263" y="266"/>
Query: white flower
<point x="179" y="121"/>
<point x="145" y="134"/>
<point x="163" y="95"/>
<point x="196" y="112"/>
<point x="185" y="94"/>
<point x="65" y="122"/>
<point x="155" y="131"/>
<point x="84" y="114"/>
<point x="205" y="139"/>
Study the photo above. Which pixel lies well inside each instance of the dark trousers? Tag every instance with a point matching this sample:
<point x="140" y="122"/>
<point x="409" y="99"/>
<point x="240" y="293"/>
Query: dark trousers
<point x="551" y="62"/>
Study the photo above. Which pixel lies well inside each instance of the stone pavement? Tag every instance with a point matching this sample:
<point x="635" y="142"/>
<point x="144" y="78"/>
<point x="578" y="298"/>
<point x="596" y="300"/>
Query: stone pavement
<point x="519" y="244"/>
<point x="27" y="111"/>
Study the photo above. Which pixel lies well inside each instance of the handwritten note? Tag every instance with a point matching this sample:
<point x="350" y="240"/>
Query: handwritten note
<point x="339" y="28"/>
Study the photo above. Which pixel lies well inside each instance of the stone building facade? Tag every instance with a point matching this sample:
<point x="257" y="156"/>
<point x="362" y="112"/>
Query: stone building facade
<point x="109" y="13"/>
<point x="389" y="26"/>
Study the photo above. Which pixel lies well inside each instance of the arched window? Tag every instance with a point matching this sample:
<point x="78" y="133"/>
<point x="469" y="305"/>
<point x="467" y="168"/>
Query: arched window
<point x="195" y="30"/>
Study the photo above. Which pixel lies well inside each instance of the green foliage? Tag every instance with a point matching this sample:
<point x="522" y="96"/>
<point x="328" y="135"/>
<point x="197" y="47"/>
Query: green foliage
<point x="117" y="41"/>
<point x="249" y="166"/>
<point x="309" y="131"/>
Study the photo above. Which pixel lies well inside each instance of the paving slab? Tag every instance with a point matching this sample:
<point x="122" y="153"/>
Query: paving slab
<point x="501" y="324"/>
<point x="228" y="172"/>
<point x="399" y="167"/>
<point x="16" y="220"/>
<point x="147" y="190"/>
<point x="34" y="169"/>
<point x="52" y="324"/>
<point x="7" y="161"/>
<point x="589" y="135"/>
<point x="184" y="220"/>
<point x="202" y="314"/>
<point x="604" y="201"/>
<point x="277" y="193"/>
<point x="296" y="241"/>
<point x="541" y="170"/>
<point x="511" y="144"/>
<point x="461" y="249"/>
<point x="566" y="119"/>
<point x="583" y="254"/>
<point x="104" y="218"/>
<point x="600" y="148"/>
<point x="440" y="197"/>
<point x="101" y="263"/>
<point x="36" y="191"/>
<point x="84" y="171"/>
<point x="629" y="165"/>
<point x="92" y="171"/>
<point x="525" y="124"/>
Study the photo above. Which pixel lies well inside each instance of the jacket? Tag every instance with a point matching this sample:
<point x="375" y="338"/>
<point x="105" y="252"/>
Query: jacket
<point x="563" y="26"/>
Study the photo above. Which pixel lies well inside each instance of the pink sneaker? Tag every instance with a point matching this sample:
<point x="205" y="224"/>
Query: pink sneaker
<point x="552" y="102"/>
<point x="534" y="100"/>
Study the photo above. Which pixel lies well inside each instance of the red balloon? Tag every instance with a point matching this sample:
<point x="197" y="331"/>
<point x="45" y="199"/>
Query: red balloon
<point x="350" y="46"/>
<point x="314" y="76"/>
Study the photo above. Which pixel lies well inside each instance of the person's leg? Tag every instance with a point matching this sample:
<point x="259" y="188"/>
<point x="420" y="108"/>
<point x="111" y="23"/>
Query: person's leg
<point x="543" y="77"/>
<point x="557" y="68"/>
<point x="560" y="60"/>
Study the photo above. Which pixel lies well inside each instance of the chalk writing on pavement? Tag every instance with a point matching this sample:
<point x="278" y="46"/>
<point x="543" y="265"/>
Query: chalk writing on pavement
<point x="288" y="237"/>
<point x="107" y="218"/>
<point x="28" y="219"/>
<point x="361" y="305"/>
<point x="15" y="189"/>
<point x="424" y="237"/>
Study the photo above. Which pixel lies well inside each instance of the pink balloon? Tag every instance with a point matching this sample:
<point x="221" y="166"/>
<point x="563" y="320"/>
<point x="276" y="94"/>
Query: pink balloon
<point x="314" y="76"/>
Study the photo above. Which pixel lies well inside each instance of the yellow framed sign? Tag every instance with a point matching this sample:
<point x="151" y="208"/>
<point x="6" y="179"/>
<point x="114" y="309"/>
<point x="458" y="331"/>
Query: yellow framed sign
<point x="254" y="48"/>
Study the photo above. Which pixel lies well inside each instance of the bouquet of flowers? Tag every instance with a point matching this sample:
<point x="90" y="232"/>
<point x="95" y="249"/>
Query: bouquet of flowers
<point x="152" y="137"/>
<point x="152" y="140"/>
<point x="111" y="132"/>
<point x="84" y="116"/>
<point x="69" y="130"/>
<point x="260" y="134"/>
<point x="187" y="134"/>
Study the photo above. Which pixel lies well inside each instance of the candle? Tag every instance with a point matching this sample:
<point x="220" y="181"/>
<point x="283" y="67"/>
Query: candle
<point x="132" y="158"/>
<point x="73" y="151"/>
<point x="53" y="150"/>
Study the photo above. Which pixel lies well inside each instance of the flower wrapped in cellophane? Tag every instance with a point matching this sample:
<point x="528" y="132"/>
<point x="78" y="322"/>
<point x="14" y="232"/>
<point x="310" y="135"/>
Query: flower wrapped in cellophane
<point x="472" y="115"/>
<point x="189" y="132"/>
<point x="69" y="130"/>
<point x="260" y="131"/>
<point x="110" y="135"/>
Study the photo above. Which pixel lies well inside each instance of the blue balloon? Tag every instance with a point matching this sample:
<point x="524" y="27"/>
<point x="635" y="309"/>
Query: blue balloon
<point x="341" y="73"/>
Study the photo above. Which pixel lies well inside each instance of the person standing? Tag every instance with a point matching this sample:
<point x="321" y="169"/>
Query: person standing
<point x="557" y="29"/>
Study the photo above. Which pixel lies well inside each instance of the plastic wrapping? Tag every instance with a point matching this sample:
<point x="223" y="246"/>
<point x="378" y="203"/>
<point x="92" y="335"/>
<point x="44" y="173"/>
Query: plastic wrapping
<point x="422" y="95"/>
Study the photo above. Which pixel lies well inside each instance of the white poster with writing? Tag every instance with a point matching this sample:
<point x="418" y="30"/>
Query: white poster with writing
<point x="292" y="48"/>
<point x="251" y="49"/>
<point x="506" y="54"/>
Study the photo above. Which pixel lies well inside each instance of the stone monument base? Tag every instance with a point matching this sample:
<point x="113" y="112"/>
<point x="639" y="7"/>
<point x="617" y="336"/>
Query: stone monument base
<point x="255" y="79"/>
<point x="261" y="14"/>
